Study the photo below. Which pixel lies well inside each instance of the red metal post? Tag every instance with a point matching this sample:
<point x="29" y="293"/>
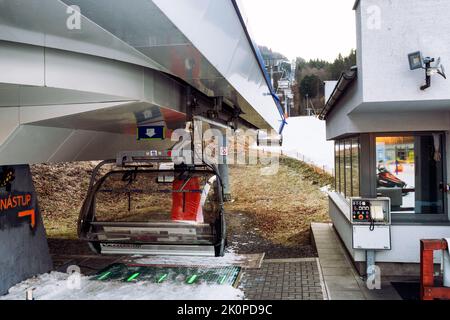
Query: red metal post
<point x="427" y="289"/>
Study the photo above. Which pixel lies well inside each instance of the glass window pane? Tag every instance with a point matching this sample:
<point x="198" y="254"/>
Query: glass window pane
<point x="348" y="168"/>
<point x="341" y="167"/>
<point x="410" y="173"/>
<point x="336" y="166"/>
<point x="429" y="193"/>
<point x="355" y="167"/>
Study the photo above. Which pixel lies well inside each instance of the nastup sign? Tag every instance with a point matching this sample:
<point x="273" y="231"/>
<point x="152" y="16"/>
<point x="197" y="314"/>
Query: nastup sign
<point x="14" y="204"/>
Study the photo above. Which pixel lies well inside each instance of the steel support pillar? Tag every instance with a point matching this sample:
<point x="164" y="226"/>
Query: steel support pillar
<point x="223" y="168"/>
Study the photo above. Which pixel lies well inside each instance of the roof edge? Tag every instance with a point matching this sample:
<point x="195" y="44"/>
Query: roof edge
<point x="344" y="82"/>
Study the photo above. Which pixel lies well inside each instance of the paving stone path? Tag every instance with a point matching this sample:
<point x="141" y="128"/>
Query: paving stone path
<point x="288" y="279"/>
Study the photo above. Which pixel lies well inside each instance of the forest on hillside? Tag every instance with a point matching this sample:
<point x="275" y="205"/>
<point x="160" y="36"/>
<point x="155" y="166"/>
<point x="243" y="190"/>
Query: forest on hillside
<point x="310" y="76"/>
<point x="308" y="87"/>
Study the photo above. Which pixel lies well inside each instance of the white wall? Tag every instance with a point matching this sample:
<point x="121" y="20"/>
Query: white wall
<point x="307" y="137"/>
<point x="329" y="88"/>
<point x="388" y="32"/>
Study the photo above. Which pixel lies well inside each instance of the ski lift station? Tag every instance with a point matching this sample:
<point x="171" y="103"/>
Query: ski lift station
<point x="390" y="119"/>
<point x="87" y="80"/>
<point x="117" y="82"/>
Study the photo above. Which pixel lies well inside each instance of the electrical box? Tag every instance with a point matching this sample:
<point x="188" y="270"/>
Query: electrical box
<point x="371" y="219"/>
<point x="365" y="211"/>
<point x="365" y="238"/>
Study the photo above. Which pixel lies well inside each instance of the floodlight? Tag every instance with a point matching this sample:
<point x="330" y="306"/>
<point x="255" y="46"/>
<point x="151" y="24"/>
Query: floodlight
<point x="415" y="60"/>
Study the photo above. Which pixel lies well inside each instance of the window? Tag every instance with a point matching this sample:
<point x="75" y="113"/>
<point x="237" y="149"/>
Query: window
<point x="355" y="167"/>
<point x="347" y="167"/>
<point x="341" y="168"/>
<point x="410" y="172"/>
<point x="336" y="167"/>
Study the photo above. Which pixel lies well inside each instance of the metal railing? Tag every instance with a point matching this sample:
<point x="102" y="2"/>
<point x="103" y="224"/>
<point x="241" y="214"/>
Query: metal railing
<point x="294" y="154"/>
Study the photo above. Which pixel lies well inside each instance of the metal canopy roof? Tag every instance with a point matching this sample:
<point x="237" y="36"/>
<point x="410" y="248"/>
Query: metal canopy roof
<point x="203" y="42"/>
<point x="88" y="88"/>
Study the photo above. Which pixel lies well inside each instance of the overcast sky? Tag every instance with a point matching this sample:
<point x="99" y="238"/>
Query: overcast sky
<point x="306" y="28"/>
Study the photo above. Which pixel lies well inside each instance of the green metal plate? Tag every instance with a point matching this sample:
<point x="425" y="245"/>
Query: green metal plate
<point x="227" y="275"/>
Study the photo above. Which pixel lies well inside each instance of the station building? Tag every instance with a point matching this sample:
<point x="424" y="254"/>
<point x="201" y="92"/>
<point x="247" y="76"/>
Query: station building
<point x="391" y="131"/>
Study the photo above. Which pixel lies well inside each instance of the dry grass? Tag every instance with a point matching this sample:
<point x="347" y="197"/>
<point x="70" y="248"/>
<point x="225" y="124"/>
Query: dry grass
<point x="61" y="190"/>
<point x="283" y="205"/>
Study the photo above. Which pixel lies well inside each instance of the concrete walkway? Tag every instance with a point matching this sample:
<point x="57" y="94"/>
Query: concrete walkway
<point x="341" y="279"/>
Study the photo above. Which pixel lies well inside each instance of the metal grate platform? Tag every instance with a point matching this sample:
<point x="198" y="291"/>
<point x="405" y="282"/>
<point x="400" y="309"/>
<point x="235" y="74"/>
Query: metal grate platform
<point x="228" y="275"/>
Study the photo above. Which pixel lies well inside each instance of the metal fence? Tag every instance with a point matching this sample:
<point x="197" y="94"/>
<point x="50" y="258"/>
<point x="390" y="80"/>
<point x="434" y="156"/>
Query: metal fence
<point x="294" y="154"/>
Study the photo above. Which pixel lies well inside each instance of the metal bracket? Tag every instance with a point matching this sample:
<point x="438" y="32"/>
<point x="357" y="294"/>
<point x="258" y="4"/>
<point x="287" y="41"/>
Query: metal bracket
<point x="125" y="158"/>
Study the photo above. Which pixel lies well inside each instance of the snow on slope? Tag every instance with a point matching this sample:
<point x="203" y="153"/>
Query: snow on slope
<point x="307" y="136"/>
<point x="304" y="138"/>
<point x="58" y="286"/>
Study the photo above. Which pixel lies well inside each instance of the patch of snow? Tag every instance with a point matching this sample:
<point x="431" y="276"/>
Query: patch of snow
<point x="231" y="249"/>
<point x="58" y="286"/>
<point x="326" y="189"/>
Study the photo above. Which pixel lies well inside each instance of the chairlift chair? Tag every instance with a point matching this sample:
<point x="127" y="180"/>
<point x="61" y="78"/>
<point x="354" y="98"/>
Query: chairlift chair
<point x="145" y="205"/>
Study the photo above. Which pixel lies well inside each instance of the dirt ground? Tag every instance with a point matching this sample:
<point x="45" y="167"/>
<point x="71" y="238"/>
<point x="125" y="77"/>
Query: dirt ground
<point x="273" y="213"/>
<point x="270" y="214"/>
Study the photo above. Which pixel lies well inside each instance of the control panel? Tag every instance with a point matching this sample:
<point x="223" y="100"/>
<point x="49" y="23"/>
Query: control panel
<point x="361" y="210"/>
<point x="370" y="211"/>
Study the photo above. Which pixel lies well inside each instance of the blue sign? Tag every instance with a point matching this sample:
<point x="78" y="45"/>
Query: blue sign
<point x="151" y="133"/>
